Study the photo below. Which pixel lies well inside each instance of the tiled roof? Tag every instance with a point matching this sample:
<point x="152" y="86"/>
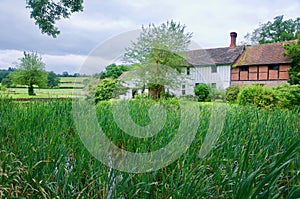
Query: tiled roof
<point x="263" y="54"/>
<point x="214" y="56"/>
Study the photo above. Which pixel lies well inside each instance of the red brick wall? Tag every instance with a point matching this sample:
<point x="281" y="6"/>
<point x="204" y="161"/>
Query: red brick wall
<point x="263" y="69"/>
<point x="273" y="74"/>
<point x="244" y="75"/>
<point x="234" y="76"/>
<point x="263" y="76"/>
<point x="283" y="75"/>
<point x="266" y="83"/>
<point x="253" y="69"/>
<point x="261" y="73"/>
<point x="284" y="68"/>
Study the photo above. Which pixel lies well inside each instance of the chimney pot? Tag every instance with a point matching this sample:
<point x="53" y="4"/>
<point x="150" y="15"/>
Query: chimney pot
<point x="233" y="36"/>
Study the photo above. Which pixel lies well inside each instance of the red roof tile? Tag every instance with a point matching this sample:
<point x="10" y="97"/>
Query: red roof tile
<point x="263" y="54"/>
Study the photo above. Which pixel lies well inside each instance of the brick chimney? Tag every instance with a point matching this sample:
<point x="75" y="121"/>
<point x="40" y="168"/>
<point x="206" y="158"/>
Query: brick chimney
<point x="233" y="36"/>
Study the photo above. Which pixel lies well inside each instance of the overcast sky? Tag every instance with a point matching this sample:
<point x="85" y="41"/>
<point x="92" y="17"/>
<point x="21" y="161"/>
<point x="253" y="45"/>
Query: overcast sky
<point x="103" y="23"/>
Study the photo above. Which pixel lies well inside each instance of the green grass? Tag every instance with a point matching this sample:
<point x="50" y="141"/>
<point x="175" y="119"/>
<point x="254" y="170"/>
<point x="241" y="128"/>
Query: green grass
<point x="42" y="156"/>
<point x="40" y="93"/>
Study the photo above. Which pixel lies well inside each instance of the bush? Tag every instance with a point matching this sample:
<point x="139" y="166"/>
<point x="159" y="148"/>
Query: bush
<point x="288" y="96"/>
<point x="232" y="93"/>
<point x="202" y="92"/>
<point x="257" y="95"/>
<point x="105" y="90"/>
<point x="215" y="93"/>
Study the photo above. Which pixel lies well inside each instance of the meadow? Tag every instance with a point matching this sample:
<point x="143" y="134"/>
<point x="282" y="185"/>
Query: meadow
<point x="66" y="89"/>
<point x="257" y="154"/>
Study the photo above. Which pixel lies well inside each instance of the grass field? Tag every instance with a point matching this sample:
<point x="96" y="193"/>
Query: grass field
<point x="42" y="156"/>
<point x="67" y="88"/>
<point x="40" y="93"/>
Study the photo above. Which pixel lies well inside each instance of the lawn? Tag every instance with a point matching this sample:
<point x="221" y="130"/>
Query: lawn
<point x="42" y="155"/>
<point x="40" y="93"/>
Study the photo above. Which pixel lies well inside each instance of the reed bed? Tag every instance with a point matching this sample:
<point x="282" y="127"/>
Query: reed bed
<point x="257" y="154"/>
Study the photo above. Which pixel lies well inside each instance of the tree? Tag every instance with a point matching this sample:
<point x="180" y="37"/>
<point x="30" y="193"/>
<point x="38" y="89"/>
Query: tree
<point x="53" y="80"/>
<point x="292" y="50"/>
<point x="276" y="31"/>
<point x="105" y="89"/>
<point x="112" y="71"/>
<point x="158" y="53"/>
<point x="47" y="12"/>
<point x="30" y="72"/>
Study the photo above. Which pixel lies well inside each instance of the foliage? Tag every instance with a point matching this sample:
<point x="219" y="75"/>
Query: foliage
<point x="232" y="93"/>
<point x="112" y="71"/>
<point x="46" y="13"/>
<point x="7" y="82"/>
<point x="53" y="80"/>
<point x="30" y="72"/>
<point x="158" y="53"/>
<point x="256" y="156"/>
<point x="105" y="90"/>
<point x="3" y="74"/>
<point x="202" y="92"/>
<point x="13" y="175"/>
<point x="216" y="93"/>
<point x="289" y="96"/>
<point x="257" y="95"/>
<point x="276" y="31"/>
<point x="292" y="50"/>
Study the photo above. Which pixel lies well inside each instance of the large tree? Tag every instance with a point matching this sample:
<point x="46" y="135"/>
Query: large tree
<point x="157" y="54"/>
<point x="275" y="31"/>
<point x="47" y="12"/>
<point x="30" y="72"/>
<point x="292" y="50"/>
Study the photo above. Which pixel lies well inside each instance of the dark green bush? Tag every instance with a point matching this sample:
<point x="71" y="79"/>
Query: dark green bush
<point x="257" y="95"/>
<point x="288" y="96"/>
<point x="105" y="90"/>
<point x="202" y="92"/>
<point x="232" y="93"/>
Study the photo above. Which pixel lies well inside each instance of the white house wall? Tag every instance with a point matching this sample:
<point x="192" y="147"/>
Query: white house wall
<point x="204" y="75"/>
<point x="198" y="74"/>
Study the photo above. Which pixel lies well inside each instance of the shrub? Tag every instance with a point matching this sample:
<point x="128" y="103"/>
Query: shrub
<point x="288" y="96"/>
<point x="105" y="90"/>
<point x="232" y="93"/>
<point x="257" y="95"/>
<point x="215" y="93"/>
<point x="202" y="92"/>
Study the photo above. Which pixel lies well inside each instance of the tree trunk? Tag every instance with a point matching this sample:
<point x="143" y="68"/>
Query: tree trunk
<point x="156" y="90"/>
<point x="30" y="89"/>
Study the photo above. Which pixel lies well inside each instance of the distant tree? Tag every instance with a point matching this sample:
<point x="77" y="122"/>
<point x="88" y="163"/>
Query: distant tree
<point x="47" y="12"/>
<point x="30" y="72"/>
<point x="7" y="82"/>
<point x="292" y="50"/>
<point x="3" y="74"/>
<point x="158" y="49"/>
<point x="65" y="74"/>
<point x="113" y="71"/>
<point x="53" y="80"/>
<point x="276" y="31"/>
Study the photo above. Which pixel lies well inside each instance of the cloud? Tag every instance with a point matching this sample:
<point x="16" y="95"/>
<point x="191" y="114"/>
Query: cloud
<point x="210" y="21"/>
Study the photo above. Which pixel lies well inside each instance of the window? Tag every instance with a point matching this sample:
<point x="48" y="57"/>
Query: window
<point x="183" y="89"/>
<point x="188" y="71"/>
<point x="273" y="67"/>
<point x="244" y="68"/>
<point x="214" y="69"/>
